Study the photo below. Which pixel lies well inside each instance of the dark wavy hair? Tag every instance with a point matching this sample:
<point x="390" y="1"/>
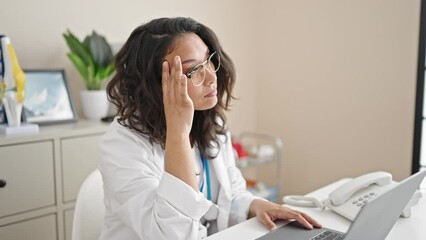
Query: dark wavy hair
<point x="136" y="88"/>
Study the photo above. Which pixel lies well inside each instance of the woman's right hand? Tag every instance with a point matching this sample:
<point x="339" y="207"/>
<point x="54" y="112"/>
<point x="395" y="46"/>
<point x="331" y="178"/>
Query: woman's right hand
<point x="178" y="106"/>
<point x="179" y="111"/>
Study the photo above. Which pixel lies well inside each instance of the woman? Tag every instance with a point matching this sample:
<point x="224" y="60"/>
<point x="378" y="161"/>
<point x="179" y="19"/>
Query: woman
<point x="167" y="161"/>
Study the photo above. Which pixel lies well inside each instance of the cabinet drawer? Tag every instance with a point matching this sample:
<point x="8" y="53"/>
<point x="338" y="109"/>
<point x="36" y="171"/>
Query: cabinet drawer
<point x="43" y="228"/>
<point x="80" y="156"/>
<point x="68" y="220"/>
<point x="29" y="175"/>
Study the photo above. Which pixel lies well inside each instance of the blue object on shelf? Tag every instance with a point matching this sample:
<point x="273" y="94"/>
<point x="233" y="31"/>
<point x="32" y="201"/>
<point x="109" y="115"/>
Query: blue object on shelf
<point x="270" y="193"/>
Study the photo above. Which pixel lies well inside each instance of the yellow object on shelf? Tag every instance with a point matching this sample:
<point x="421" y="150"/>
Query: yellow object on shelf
<point x="12" y="85"/>
<point x="2" y="90"/>
<point x="18" y="74"/>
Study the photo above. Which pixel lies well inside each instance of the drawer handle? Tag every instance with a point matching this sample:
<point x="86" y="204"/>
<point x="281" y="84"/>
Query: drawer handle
<point x="2" y="183"/>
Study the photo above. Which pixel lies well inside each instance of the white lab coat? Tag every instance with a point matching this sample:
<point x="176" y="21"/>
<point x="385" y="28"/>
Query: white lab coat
<point x="144" y="202"/>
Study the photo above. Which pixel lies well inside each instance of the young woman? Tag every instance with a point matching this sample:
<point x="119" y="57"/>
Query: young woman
<point x="167" y="161"/>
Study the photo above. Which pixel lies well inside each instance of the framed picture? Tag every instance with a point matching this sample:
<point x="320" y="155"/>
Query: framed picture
<point x="47" y="99"/>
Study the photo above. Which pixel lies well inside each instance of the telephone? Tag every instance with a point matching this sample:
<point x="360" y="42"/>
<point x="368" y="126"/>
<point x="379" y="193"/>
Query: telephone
<point x="348" y="199"/>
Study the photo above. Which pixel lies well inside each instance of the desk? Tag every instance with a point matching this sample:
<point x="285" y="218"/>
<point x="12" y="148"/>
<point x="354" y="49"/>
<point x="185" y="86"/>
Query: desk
<point x="413" y="228"/>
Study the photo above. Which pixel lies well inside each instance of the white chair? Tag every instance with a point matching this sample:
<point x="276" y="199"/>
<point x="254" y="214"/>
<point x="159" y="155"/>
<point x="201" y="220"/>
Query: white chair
<point x="89" y="209"/>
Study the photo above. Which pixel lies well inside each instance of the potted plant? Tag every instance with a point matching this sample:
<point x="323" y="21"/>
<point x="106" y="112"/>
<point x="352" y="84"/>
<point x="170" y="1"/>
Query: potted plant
<point x="94" y="60"/>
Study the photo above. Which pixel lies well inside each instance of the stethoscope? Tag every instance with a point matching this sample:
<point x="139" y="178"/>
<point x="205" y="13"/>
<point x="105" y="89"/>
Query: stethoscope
<point x="206" y="169"/>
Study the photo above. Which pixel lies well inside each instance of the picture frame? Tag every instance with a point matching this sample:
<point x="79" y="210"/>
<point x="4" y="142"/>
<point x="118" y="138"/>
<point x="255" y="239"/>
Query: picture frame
<point x="47" y="99"/>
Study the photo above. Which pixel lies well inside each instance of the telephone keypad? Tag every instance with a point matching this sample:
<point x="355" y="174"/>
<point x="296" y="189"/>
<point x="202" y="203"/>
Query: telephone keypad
<point x="363" y="200"/>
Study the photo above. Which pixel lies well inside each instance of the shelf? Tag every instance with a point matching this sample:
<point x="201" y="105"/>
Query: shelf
<point x="254" y="152"/>
<point x="253" y="161"/>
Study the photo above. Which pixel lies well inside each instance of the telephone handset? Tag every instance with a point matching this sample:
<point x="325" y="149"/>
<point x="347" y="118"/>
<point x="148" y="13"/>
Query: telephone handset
<point x="347" y="190"/>
<point x="348" y="199"/>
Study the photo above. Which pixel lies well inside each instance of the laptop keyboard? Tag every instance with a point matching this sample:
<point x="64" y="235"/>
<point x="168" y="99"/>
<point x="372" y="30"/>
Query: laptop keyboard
<point x="328" y="235"/>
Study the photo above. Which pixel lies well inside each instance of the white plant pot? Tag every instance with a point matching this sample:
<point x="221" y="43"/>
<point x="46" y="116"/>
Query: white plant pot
<point x="94" y="103"/>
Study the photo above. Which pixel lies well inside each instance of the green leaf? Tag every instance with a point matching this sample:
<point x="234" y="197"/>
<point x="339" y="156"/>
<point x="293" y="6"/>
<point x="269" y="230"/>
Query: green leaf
<point x="94" y="85"/>
<point x="100" y="49"/>
<point x="98" y="72"/>
<point x="109" y="70"/>
<point x="93" y="58"/>
<point x="86" y="42"/>
<point x="92" y="75"/>
<point x="78" y="48"/>
<point x="79" y="64"/>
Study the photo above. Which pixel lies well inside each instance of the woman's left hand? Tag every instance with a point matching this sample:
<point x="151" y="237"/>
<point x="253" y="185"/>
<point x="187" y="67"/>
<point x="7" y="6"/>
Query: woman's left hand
<point x="267" y="212"/>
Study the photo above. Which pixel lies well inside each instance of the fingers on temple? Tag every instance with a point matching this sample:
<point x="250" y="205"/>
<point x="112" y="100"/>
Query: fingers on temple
<point x="176" y="76"/>
<point x="180" y="80"/>
<point x="184" y="86"/>
<point x="174" y="83"/>
<point x="165" y="79"/>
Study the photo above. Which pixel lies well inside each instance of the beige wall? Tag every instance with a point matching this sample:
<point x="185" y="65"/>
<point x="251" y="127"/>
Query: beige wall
<point x="335" y="79"/>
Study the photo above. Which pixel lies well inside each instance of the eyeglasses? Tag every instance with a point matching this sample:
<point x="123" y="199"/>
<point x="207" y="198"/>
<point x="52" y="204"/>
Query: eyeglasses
<point x="197" y="74"/>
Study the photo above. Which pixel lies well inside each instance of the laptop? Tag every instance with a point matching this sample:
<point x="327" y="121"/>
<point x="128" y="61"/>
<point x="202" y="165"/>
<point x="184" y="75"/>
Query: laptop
<point x="374" y="221"/>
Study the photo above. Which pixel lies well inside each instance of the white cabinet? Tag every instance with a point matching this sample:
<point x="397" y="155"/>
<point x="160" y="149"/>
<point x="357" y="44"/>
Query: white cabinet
<point x="40" y="175"/>
<point x="78" y="161"/>
<point x="68" y="218"/>
<point x="41" y="228"/>
<point x="27" y="170"/>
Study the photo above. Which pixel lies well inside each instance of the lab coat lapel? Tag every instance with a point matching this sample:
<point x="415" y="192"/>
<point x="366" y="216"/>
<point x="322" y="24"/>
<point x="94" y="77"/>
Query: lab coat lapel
<point x="225" y="194"/>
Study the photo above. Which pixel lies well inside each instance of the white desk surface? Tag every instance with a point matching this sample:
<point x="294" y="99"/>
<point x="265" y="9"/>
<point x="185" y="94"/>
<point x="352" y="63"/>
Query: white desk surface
<point x="413" y="228"/>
